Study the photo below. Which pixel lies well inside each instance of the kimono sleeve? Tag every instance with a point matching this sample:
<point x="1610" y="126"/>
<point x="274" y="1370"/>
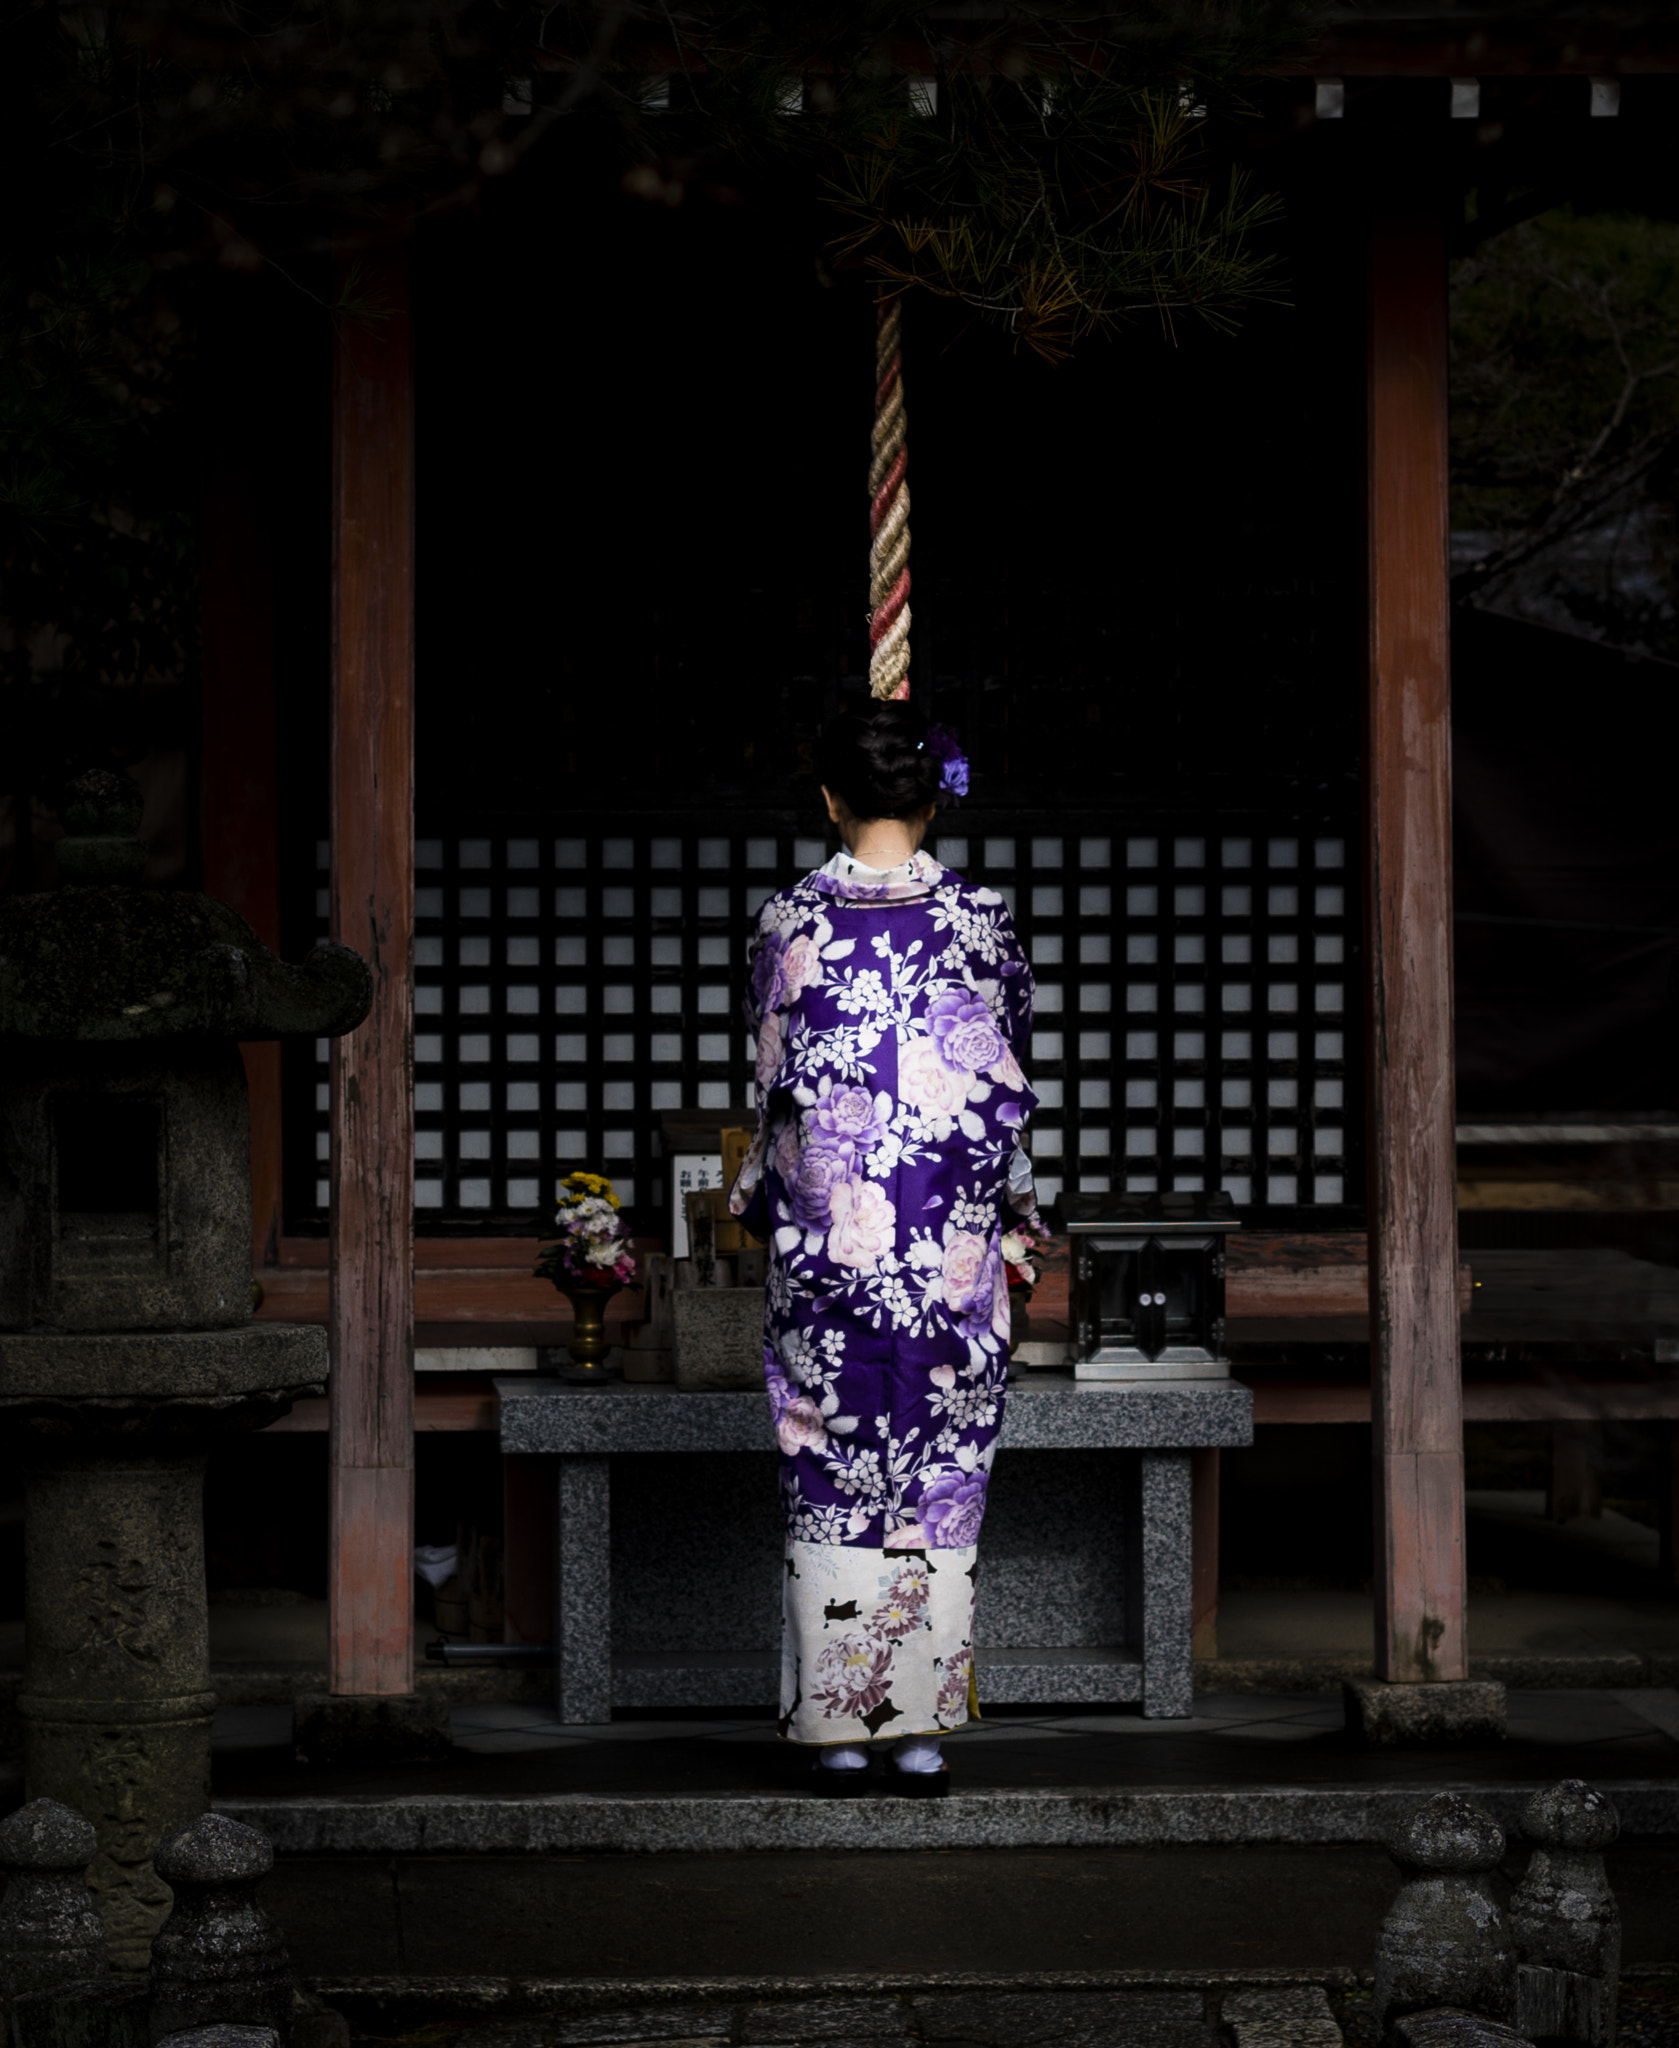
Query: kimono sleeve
<point x="1016" y="987"/>
<point x="761" y="950"/>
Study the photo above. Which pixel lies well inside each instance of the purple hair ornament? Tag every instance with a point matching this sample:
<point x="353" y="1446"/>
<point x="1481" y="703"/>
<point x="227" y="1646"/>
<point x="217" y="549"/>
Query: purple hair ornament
<point x="948" y="749"/>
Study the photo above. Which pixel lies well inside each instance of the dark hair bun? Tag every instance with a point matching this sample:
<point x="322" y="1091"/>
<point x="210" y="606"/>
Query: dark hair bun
<point x="876" y="760"/>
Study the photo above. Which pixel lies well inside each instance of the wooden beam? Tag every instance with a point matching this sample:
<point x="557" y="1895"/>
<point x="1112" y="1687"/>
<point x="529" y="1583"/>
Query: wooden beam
<point x="239" y="798"/>
<point x="484" y="1281"/>
<point x="478" y="1410"/>
<point x="1483" y="1401"/>
<point x="1418" y="1437"/>
<point x="1273" y="1273"/>
<point x="1487" y="1401"/>
<point x="465" y="1291"/>
<point x="1530" y="47"/>
<point x="372" y="802"/>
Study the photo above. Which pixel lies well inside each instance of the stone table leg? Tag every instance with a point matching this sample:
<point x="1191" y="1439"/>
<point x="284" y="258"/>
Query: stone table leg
<point x="1160" y="1577"/>
<point x="583" y="1590"/>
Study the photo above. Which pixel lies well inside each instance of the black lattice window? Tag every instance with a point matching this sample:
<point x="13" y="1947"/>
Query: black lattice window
<point x="1196" y="1004"/>
<point x="1193" y="1009"/>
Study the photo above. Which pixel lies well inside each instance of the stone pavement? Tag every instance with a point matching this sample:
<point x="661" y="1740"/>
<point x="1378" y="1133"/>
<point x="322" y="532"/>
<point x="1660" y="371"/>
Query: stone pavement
<point x="1263" y="2010"/>
<point x="1242" y="1839"/>
<point x="579" y="1918"/>
<point x="505" y="1749"/>
<point x="1242" y="1769"/>
<point x="1292" y="2017"/>
<point x="1245" y="1838"/>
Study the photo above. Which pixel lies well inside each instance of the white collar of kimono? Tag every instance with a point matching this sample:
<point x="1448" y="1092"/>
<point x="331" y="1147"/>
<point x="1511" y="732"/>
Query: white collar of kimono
<point x="851" y="876"/>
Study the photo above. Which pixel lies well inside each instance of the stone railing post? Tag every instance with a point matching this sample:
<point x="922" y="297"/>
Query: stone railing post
<point x="55" y="1964"/>
<point x="1445" y="1941"/>
<point x="50" y="1929"/>
<point x="1566" y="1923"/>
<point x="218" y="1962"/>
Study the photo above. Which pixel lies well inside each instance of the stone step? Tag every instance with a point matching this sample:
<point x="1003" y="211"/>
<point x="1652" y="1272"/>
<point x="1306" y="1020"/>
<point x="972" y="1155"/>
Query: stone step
<point x="582" y="1823"/>
<point x="1099" y="2009"/>
<point x="498" y="1936"/>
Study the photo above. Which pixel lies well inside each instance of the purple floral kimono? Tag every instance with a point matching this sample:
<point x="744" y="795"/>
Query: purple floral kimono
<point x="889" y="1012"/>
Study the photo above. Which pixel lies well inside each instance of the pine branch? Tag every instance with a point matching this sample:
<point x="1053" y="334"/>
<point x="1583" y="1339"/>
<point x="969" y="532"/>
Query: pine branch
<point x="1581" y="500"/>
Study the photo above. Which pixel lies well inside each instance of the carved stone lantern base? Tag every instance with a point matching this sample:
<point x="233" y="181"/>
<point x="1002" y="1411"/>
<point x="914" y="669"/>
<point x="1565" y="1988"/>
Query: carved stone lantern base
<point x="116" y="1700"/>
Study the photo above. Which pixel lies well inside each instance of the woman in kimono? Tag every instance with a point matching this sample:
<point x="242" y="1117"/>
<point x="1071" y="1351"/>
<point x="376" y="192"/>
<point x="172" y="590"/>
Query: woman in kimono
<point x="890" y="999"/>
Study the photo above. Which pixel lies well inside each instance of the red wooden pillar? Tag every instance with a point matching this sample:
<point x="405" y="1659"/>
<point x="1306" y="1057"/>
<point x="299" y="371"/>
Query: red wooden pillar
<point x="239" y="796"/>
<point x="372" y="1256"/>
<point x="1418" y="1403"/>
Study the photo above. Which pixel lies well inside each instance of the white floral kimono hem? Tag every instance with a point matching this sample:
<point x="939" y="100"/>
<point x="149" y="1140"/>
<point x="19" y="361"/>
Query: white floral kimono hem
<point x="877" y="1644"/>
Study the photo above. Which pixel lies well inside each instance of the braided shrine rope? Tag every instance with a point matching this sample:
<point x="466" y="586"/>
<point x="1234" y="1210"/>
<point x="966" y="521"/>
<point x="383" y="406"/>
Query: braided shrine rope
<point x="888" y="515"/>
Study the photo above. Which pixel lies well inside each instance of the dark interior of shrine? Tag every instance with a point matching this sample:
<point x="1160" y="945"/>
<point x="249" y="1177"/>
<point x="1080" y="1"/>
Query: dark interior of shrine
<point x="643" y="438"/>
<point x="644" y="459"/>
<point x="642" y="468"/>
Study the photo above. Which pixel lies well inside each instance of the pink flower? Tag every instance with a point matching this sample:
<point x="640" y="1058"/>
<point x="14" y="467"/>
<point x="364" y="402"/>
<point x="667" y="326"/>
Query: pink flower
<point x="926" y="1083"/>
<point x="787" y="1152"/>
<point x="964" y="1257"/>
<point x="769" y="1049"/>
<point x="851" y="1117"/>
<point x="975" y="1043"/>
<point x="904" y="1608"/>
<point x="852" y="1676"/>
<point x="961" y="1027"/>
<point x="952" y="1709"/>
<point x="864" y="1221"/>
<point x="952" y="1508"/>
<point x="801" y="965"/>
<point x="799" y="1426"/>
<point x="910" y="1537"/>
<point x="768" y="980"/>
<point x="1006" y="1069"/>
<point x="1002" y="1317"/>
<point x="819" y="1174"/>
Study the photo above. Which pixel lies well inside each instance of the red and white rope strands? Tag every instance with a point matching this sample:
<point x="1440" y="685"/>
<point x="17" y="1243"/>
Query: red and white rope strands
<point x="889" y="516"/>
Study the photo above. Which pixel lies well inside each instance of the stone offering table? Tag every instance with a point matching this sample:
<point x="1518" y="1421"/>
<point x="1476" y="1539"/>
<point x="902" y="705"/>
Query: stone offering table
<point x="668" y="1586"/>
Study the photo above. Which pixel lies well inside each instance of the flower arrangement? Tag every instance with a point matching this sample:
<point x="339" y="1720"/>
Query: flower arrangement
<point x="590" y="1241"/>
<point x="1023" y="1250"/>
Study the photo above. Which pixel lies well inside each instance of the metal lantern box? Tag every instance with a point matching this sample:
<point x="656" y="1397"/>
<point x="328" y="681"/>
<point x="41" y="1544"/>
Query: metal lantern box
<point x="1147" y="1298"/>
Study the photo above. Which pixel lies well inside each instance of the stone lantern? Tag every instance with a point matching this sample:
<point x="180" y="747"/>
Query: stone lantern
<point x="126" y="1341"/>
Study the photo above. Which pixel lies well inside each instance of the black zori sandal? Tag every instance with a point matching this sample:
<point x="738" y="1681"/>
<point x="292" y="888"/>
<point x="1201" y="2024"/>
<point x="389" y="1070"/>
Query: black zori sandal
<point x="829" y="1781"/>
<point x="918" y="1784"/>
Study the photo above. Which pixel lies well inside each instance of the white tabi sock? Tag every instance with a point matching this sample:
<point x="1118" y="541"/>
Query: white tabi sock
<point x="917" y="1753"/>
<point x="837" y="1757"/>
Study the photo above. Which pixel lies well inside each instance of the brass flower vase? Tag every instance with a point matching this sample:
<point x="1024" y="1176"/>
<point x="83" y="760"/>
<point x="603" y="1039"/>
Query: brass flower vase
<point x="588" y="1366"/>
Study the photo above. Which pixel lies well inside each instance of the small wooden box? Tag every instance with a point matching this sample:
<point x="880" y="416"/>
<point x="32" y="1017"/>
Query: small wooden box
<point x="719" y="1338"/>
